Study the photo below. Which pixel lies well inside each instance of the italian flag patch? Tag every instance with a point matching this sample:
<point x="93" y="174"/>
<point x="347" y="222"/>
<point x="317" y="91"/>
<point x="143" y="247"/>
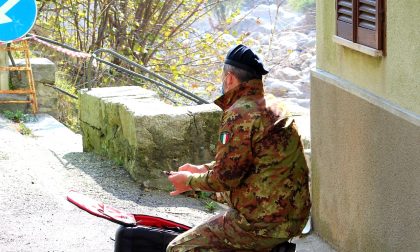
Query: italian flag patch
<point x="224" y="137"/>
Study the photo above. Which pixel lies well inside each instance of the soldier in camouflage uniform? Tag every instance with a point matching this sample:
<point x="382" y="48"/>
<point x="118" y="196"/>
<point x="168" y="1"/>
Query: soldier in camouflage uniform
<point x="259" y="166"/>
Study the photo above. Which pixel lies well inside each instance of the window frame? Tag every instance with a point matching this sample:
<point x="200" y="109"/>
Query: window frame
<point x="352" y="34"/>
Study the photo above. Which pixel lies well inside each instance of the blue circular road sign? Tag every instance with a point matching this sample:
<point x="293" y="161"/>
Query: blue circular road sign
<point x="17" y="17"/>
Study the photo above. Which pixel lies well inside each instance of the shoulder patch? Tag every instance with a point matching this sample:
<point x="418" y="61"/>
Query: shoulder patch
<point x="224" y="137"/>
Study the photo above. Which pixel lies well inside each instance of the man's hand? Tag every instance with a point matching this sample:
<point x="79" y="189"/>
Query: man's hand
<point x="179" y="180"/>
<point x="193" y="168"/>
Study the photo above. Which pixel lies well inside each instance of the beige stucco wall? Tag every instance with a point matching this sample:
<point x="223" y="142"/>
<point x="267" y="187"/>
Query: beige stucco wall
<point x="365" y="169"/>
<point x="365" y="128"/>
<point x="396" y="76"/>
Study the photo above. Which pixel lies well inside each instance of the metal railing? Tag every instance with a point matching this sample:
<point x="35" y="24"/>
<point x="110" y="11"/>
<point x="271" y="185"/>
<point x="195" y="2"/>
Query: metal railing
<point x="166" y="88"/>
<point x="131" y="72"/>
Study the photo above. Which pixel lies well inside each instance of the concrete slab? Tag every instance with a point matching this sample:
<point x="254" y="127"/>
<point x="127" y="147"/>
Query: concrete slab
<point x="53" y="135"/>
<point x="312" y="243"/>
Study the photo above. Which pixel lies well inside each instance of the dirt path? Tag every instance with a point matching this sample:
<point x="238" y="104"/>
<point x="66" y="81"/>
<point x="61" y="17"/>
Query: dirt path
<point x="36" y="172"/>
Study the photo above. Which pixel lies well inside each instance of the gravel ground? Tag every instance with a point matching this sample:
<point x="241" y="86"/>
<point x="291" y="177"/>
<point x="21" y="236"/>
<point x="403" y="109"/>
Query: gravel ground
<point x="37" y="172"/>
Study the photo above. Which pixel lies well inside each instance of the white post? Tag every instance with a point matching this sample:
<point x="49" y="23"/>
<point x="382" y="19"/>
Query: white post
<point x="4" y="75"/>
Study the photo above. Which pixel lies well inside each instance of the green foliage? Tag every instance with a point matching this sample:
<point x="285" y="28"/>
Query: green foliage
<point x="11" y="86"/>
<point x="16" y="116"/>
<point x="301" y="4"/>
<point x="211" y="206"/>
<point x="68" y="108"/>
<point x="225" y="10"/>
<point x="119" y="162"/>
<point x="62" y="81"/>
<point x="157" y="34"/>
<point x="24" y="130"/>
<point x="306" y="143"/>
<point x="19" y="117"/>
<point x="205" y="197"/>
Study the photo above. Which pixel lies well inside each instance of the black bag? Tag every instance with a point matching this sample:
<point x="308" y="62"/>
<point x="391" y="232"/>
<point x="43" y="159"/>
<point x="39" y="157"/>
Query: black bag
<point x="138" y="232"/>
<point x="143" y="238"/>
<point x="151" y="234"/>
<point x="285" y="247"/>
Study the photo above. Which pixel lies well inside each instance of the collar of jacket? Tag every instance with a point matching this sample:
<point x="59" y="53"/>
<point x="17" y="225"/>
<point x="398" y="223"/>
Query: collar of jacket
<point x="250" y="88"/>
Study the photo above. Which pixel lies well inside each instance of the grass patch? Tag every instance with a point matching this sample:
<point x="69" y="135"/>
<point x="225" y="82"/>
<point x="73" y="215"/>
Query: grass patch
<point x="24" y="130"/>
<point x="209" y="204"/>
<point x="19" y="117"/>
<point x="16" y="116"/>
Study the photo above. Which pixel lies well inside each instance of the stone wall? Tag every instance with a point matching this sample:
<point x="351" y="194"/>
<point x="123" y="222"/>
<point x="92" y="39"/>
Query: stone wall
<point x="133" y="127"/>
<point x="44" y="73"/>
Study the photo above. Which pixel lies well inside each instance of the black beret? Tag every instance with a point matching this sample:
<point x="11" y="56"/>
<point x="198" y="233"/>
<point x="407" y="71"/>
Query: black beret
<point x="244" y="58"/>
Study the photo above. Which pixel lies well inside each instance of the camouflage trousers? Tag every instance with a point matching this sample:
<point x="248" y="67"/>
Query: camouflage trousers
<point x="222" y="233"/>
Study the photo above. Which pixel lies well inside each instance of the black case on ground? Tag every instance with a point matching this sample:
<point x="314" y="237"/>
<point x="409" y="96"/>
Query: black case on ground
<point x="143" y="239"/>
<point x="138" y="232"/>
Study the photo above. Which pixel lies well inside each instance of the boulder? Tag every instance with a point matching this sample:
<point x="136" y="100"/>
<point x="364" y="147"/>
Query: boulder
<point x="133" y="127"/>
<point x="252" y="24"/>
<point x="43" y="70"/>
<point x="286" y="74"/>
<point x="281" y="88"/>
<point x="267" y="14"/>
<point x="310" y="43"/>
<point x="306" y="56"/>
<point x="47" y="98"/>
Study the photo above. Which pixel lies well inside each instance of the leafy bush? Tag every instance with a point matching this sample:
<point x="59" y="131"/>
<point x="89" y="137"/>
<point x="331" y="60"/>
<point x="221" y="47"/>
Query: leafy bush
<point x="301" y="4"/>
<point x="68" y="108"/>
<point x="17" y="116"/>
<point x="158" y="34"/>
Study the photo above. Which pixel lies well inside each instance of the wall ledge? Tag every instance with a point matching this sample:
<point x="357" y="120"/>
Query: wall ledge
<point x="134" y="127"/>
<point x="370" y="97"/>
<point x="357" y="47"/>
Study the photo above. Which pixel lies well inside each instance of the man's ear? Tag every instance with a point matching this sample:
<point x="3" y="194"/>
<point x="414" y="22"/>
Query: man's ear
<point x="230" y="80"/>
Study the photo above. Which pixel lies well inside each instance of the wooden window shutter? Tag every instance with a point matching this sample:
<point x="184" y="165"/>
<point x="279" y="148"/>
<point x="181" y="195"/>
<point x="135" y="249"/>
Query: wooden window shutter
<point x="370" y="23"/>
<point x="345" y="19"/>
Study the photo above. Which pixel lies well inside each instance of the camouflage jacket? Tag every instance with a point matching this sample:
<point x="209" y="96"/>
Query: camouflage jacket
<point x="259" y="163"/>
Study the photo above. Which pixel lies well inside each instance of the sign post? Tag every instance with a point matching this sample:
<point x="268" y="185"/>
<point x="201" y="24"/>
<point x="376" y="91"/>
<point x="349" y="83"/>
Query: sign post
<point x="17" y="17"/>
<point x="4" y="75"/>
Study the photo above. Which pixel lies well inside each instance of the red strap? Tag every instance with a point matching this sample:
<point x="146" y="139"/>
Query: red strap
<point x="152" y="221"/>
